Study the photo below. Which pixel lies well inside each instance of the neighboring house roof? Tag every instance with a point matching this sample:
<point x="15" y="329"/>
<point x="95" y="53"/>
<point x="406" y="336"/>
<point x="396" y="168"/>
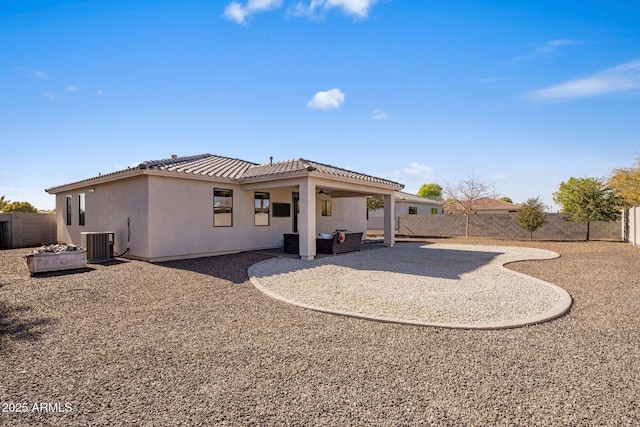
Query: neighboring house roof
<point x="233" y="169"/>
<point x="490" y="204"/>
<point x="407" y="197"/>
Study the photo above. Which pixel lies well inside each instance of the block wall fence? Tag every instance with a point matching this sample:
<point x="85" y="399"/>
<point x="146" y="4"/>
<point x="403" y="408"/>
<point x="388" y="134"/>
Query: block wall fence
<point x="21" y="230"/>
<point x="502" y="226"/>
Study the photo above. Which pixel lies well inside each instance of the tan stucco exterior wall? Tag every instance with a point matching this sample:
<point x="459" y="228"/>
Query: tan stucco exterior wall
<point x="172" y="218"/>
<point x="348" y="213"/>
<point x="181" y="220"/>
<point x="107" y="208"/>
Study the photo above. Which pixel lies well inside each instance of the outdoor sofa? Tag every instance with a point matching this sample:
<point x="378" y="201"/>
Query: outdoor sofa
<point x="330" y="245"/>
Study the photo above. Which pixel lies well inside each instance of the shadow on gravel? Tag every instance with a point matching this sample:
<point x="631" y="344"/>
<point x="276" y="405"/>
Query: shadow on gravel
<point x="14" y="326"/>
<point x="406" y="258"/>
<point x="232" y="268"/>
<point x="89" y="268"/>
<point x="62" y="273"/>
<point x="115" y="261"/>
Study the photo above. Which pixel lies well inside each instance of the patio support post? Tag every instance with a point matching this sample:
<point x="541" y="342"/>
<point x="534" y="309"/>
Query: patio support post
<point x="389" y="220"/>
<point x="307" y="225"/>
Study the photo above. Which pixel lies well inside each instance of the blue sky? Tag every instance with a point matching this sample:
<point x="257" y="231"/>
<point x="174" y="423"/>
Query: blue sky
<point x="523" y="95"/>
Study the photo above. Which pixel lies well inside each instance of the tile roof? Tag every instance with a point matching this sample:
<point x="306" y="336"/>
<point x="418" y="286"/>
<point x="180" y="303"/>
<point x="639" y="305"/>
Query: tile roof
<point x="238" y="170"/>
<point x="301" y="165"/>
<point x="277" y="168"/>
<point x="202" y="164"/>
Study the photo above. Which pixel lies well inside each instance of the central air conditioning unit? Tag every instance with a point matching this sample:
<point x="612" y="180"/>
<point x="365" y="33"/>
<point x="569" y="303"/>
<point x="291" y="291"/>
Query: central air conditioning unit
<point x="99" y="245"/>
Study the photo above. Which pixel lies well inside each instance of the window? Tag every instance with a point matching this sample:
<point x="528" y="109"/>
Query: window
<point x="261" y="208"/>
<point x="413" y="210"/>
<point x="81" y="207"/>
<point x="69" y="209"/>
<point x="326" y="208"/>
<point x="434" y="211"/>
<point x="222" y="207"/>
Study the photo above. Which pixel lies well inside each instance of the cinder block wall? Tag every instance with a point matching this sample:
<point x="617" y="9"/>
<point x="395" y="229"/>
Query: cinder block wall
<point x="504" y="226"/>
<point x="29" y="229"/>
<point x="431" y="225"/>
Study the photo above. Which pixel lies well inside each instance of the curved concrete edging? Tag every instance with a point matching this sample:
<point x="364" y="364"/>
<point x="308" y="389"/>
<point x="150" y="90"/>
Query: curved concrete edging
<point x="562" y="306"/>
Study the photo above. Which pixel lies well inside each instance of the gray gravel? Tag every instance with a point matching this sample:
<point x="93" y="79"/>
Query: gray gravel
<point x="462" y="286"/>
<point x="194" y="343"/>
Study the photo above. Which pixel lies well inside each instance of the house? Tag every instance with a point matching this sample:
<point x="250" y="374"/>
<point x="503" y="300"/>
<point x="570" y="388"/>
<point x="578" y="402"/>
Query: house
<point x="203" y="205"/>
<point x="410" y="204"/>
<point x="405" y="204"/>
<point x="488" y="205"/>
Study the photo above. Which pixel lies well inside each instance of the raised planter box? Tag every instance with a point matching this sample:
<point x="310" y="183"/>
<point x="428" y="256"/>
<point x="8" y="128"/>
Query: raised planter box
<point x="43" y="262"/>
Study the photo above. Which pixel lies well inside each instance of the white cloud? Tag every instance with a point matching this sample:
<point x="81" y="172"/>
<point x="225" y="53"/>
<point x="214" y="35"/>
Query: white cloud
<point x="547" y="49"/>
<point x="326" y="100"/>
<point x="100" y="92"/>
<point x="417" y="170"/>
<point x="357" y="8"/>
<point x="378" y="114"/>
<point x="39" y="75"/>
<point x="238" y="12"/>
<point x="621" y="78"/>
<point x="412" y="177"/>
<point x="72" y="88"/>
<point x="49" y="95"/>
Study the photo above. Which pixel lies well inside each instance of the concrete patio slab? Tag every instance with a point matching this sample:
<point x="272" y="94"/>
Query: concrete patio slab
<point x="445" y="285"/>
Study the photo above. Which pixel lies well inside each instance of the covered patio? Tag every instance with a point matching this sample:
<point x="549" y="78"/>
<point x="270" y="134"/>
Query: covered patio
<point x="313" y="183"/>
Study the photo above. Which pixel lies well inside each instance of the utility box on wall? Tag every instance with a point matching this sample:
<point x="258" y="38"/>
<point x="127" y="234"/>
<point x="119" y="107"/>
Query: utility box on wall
<point x="99" y="245"/>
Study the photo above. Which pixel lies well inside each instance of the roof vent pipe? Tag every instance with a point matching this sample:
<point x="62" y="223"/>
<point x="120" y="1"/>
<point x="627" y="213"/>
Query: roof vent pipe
<point x="174" y="156"/>
<point x="270" y="160"/>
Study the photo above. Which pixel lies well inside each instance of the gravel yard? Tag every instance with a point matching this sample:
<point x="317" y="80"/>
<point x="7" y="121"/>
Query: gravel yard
<point x="194" y="343"/>
<point x="434" y="284"/>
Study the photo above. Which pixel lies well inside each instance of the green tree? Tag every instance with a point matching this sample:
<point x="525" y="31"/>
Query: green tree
<point x="374" y="203"/>
<point x="586" y="200"/>
<point x="626" y="183"/>
<point x="19" y="207"/>
<point x="3" y="203"/>
<point x="531" y="215"/>
<point x="430" y="191"/>
<point x="506" y="199"/>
